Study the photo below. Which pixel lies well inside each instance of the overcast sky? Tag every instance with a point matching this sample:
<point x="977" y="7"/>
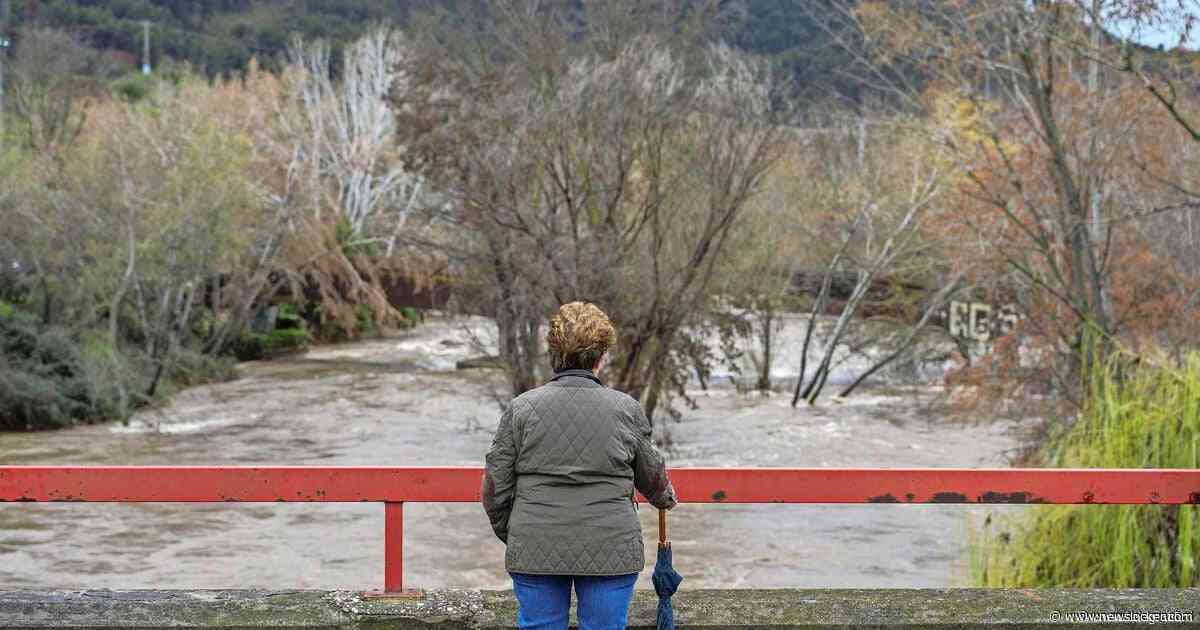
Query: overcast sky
<point x="1168" y="37"/>
<point x="1166" y="34"/>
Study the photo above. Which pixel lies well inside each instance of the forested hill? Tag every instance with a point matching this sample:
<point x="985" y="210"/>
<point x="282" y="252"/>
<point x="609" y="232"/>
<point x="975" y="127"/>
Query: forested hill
<point x="220" y="36"/>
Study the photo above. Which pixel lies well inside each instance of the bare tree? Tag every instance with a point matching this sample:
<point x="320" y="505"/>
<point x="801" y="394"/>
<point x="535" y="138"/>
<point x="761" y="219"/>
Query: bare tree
<point x="49" y="91"/>
<point x="867" y="215"/>
<point x="755" y="281"/>
<point x="1162" y="73"/>
<point x="1048" y="142"/>
<point x="607" y="179"/>
<point x="909" y="335"/>
<point x="341" y="187"/>
<point x="350" y="131"/>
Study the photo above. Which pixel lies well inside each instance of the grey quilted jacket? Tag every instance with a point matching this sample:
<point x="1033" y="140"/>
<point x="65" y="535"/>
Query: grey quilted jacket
<point x="558" y="485"/>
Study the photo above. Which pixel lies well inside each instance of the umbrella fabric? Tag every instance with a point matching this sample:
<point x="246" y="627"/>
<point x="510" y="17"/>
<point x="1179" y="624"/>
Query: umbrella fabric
<point x="666" y="581"/>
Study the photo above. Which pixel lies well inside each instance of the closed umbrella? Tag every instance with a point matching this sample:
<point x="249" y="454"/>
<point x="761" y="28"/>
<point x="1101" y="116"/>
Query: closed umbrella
<point x="666" y="580"/>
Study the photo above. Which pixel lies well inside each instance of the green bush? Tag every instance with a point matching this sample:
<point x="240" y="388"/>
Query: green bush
<point x="42" y="377"/>
<point x="51" y="379"/>
<point x="258" y="346"/>
<point x="289" y="317"/>
<point x="364" y="320"/>
<point x="131" y="88"/>
<point x="410" y="317"/>
<point x="115" y="382"/>
<point x="1148" y="417"/>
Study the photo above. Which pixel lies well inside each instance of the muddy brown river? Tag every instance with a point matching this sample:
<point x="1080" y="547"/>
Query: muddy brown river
<point x="399" y="402"/>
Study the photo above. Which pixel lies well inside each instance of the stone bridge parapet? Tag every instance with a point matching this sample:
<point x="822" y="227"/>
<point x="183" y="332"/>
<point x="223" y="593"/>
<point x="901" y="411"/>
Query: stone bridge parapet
<point x="942" y="609"/>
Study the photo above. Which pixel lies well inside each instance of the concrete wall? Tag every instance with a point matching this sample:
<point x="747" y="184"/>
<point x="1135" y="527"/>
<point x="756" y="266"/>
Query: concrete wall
<point x="775" y="608"/>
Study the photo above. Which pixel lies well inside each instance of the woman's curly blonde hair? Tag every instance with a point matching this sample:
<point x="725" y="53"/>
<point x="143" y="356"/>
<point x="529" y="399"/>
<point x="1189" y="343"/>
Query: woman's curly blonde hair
<point x="580" y="333"/>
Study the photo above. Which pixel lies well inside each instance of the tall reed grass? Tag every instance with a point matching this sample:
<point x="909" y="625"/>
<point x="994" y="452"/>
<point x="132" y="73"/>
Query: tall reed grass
<point x="1141" y="417"/>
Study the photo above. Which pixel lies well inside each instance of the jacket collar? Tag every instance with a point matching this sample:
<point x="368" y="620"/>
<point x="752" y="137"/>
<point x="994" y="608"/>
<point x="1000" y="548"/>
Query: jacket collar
<point x="577" y="372"/>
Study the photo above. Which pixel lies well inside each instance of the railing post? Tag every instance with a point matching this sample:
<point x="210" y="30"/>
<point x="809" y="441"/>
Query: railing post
<point x="393" y="546"/>
<point x="393" y="553"/>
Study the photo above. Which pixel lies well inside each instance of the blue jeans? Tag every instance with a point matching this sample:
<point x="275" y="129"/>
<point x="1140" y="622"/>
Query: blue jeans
<point x="545" y="600"/>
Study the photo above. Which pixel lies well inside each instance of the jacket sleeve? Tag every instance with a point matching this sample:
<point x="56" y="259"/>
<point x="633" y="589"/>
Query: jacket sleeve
<point x="499" y="476"/>
<point x="649" y="470"/>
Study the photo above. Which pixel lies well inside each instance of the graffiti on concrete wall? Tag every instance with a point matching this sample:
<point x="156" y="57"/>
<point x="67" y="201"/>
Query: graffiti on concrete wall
<point x="980" y="321"/>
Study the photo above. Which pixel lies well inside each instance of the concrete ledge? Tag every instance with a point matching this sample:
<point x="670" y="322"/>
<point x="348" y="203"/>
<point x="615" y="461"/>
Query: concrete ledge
<point x="711" y="609"/>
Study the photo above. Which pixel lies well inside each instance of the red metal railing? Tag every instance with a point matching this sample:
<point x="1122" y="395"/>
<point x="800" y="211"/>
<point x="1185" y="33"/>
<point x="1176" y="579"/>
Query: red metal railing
<point x="395" y="486"/>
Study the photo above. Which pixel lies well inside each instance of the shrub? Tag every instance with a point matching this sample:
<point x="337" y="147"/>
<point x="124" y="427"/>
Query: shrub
<point x="364" y="320"/>
<point x="1147" y="417"/>
<point x="115" y="381"/>
<point x="409" y="317"/>
<point x="41" y="383"/>
<point x="131" y="88"/>
<point x="289" y="317"/>
<point x="193" y="368"/>
<point x="258" y="346"/>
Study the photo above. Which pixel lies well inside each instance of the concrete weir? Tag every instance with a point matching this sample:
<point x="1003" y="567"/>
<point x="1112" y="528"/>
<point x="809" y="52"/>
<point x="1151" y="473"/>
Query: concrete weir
<point x="733" y="608"/>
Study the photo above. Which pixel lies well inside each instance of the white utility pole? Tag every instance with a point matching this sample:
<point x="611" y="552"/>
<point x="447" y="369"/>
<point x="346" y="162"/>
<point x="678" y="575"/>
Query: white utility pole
<point x="146" y="47"/>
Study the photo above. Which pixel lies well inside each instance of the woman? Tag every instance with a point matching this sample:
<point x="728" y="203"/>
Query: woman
<point x="558" y="485"/>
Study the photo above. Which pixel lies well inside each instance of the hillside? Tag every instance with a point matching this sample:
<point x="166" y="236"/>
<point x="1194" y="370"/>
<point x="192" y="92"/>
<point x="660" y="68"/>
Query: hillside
<point x="217" y="36"/>
<point x="220" y="36"/>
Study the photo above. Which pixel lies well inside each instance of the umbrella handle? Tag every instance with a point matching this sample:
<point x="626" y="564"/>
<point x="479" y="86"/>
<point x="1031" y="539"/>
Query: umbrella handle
<point x="662" y="528"/>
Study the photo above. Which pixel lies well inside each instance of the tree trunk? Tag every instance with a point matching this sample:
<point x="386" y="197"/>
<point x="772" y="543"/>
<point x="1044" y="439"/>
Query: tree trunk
<point x="517" y="344"/>
<point x="818" y="382"/>
<point x="819" y="307"/>
<point x="767" y="318"/>
<point x="909" y="340"/>
<point x="158" y="342"/>
<point x="114" y="305"/>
